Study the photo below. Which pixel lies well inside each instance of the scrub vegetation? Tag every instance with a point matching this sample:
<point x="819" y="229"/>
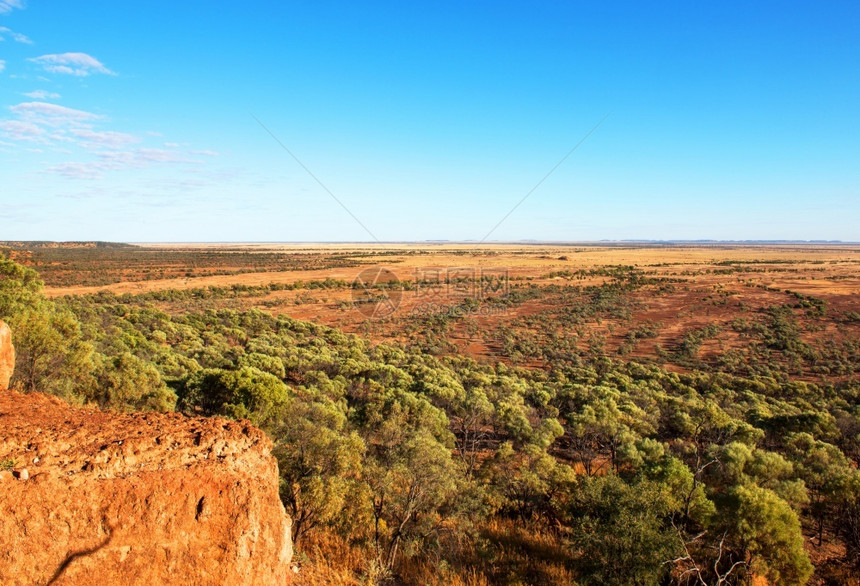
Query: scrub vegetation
<point x="590" y="433"/>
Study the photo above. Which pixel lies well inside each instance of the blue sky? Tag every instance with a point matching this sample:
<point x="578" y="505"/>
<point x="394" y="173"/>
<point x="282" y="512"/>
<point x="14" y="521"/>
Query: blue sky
<point x="133" y="121"/>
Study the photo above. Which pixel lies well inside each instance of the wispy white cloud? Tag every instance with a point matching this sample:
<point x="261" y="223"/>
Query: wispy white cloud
<point x="143" y="156"/>
<point x="15" y="36"/>
<point x="79" y="64"/>
<point x="42" y="95"/>
<point x="52" y="115"/>
<point x="93" y="152"/>
<point x="105" y="138"/>
<point x="118" y="160"/>
<point x="18" y="130"/>
<point x="2" y="65"/>
<point x="10" y="5"/>
<point x="77" y="170"/>
<point x="54" y="125"/>
<point x="46" y="123"/>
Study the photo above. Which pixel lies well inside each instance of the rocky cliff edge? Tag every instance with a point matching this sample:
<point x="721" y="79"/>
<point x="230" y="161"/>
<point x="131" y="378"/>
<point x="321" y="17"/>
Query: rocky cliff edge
<point x="91" y="497"/>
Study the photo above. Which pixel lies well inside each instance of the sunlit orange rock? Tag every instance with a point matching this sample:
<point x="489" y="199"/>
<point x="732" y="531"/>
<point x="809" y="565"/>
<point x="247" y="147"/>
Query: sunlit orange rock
<point x="112" y="498"/>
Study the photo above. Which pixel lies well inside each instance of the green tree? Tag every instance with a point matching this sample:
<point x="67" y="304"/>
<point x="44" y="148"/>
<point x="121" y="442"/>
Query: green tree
<point x="822" y="466"/>
<point x="127" y="383"/>
<point x="411" y="482"/>
<point x="320" y="463"/>
<point x="245" y="393"/>
<point x="768" y="531"/>
<point x="527" y="483"/>
<point x="848" y="527"/>
<point x="51" y="357"/>
<point x="622" y="531"/>
<point x="20" y="287"/>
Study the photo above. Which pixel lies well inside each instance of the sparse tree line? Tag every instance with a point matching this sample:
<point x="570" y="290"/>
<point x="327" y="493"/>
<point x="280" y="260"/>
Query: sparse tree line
<point x="637" y="475"/>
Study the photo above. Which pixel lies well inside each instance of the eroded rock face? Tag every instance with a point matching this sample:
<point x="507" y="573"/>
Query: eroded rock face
<point x="7" y="355"/>
<point x="136" y="499"/>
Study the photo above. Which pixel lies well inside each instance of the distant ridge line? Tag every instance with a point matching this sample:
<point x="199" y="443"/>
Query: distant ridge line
<point x="64" y="244"/>
<point x="490" y="242"/>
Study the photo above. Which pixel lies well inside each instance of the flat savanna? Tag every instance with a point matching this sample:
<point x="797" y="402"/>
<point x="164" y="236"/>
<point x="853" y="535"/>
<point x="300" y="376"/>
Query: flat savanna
<point x="675" y="296"/>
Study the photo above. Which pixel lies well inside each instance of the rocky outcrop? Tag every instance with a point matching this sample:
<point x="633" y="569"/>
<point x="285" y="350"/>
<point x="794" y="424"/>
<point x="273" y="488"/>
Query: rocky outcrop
<point x="7" y="356"/>
<point x="89" y="497"/>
